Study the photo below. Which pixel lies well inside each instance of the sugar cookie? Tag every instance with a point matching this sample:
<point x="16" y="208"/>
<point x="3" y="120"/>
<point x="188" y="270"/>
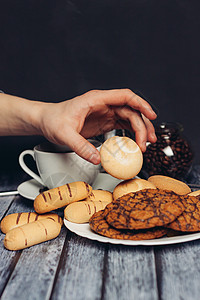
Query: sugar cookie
<point x="121" y="157"/>
<point x="131" y="185"/>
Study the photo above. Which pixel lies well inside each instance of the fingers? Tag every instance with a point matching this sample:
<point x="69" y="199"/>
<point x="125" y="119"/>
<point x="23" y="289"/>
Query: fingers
<point x="122" y="97"/>
<point x="81" y="146"/>
<point x="94" y="112"/>
<point x="137" y="125"/>
<point x="151" y="136"/>
<point x="143" y="128"/>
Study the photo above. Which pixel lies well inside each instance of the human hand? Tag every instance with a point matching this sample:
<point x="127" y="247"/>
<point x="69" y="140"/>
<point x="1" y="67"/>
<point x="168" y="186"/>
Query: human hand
<point x="71" y="122"/>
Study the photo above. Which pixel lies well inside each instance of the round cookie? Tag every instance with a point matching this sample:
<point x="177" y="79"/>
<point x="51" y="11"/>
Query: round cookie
<point x="144" y="209"/>
<point x="131" y="185"/>
<point x="189" y="220"/>
<point x="100" y="226"/>
<point x="121" y="157"/>
<point x="168" y="183"/>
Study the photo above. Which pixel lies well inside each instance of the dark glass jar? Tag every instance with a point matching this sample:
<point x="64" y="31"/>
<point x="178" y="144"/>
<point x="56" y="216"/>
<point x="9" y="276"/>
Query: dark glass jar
<point x="171" y="155"/>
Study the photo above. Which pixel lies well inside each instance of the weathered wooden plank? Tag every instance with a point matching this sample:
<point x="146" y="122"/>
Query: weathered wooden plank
<point x="20" y="204"/>
<point x="5" y="203"/>
<point x="8" y="259"/>
<point x="8" y="183"/>
<point x="178" y="271"/>
<point x="35" y="270"/>
<point x="81" y="272"/>
<point x="130" y="274"/>
<point x="7" y="263"/>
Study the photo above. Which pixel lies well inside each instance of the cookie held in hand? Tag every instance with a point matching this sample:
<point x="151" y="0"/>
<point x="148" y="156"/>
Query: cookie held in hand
<point x="121" y="157"/>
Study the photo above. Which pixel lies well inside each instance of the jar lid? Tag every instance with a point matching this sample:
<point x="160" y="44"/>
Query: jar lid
<point x="168" y="127"/>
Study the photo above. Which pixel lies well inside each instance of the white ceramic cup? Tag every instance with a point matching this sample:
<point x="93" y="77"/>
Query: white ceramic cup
<point x="58" y="165"/>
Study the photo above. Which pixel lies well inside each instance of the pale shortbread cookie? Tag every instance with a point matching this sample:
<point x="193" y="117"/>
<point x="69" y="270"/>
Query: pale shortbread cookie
<point x="131" y="185"/>
<point x="121" y="157"/>
<point x="168" y="183"/>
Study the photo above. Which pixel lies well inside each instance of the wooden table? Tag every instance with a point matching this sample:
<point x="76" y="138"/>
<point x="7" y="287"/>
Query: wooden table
<point x="72" y="267"/>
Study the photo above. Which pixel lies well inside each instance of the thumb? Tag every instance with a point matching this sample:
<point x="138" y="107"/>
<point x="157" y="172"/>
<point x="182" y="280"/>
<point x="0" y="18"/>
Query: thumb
<point x="83" y="148"/>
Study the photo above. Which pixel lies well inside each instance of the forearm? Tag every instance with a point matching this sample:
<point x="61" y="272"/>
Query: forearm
<point x="19" y="116"/>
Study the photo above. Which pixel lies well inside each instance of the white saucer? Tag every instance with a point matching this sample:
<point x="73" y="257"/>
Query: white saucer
<point x="31" y="189"/>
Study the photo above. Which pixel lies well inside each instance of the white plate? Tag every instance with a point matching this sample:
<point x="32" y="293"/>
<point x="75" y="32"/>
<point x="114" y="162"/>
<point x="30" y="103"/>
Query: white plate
<point x="31" y="189"/>
<point x="85" y="231"/>
<point x="105" y="181"/>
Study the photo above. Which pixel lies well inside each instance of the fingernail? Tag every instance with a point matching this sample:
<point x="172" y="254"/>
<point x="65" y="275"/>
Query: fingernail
<point x="95" y="158"/>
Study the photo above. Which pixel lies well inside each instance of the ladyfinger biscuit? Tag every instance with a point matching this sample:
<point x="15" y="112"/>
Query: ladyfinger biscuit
<point x="168" y="183"/>
<point x="101" y="195"/>
<point x="17" y="219"/>
<point x="61" y="196"/>
<point x="81" y="212"/>
<point x="31" y="234"/>
<point x="132" y="185"/>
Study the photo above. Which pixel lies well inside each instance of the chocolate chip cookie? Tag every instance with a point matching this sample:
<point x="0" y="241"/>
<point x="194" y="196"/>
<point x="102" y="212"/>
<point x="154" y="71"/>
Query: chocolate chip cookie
<point x="144" y="209"/>
<point x="100" y="226"/>
<point x="189" y="220"/>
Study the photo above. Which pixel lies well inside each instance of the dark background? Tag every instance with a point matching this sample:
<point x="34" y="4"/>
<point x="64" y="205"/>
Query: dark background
<point x="55" y="50"/>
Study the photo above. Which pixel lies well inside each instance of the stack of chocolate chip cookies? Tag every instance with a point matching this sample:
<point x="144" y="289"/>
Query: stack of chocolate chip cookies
<point x="148" y="214"/>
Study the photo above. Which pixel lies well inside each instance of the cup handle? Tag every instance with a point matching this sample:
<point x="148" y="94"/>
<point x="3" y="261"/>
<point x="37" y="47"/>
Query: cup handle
<point x="25" y="168"/>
